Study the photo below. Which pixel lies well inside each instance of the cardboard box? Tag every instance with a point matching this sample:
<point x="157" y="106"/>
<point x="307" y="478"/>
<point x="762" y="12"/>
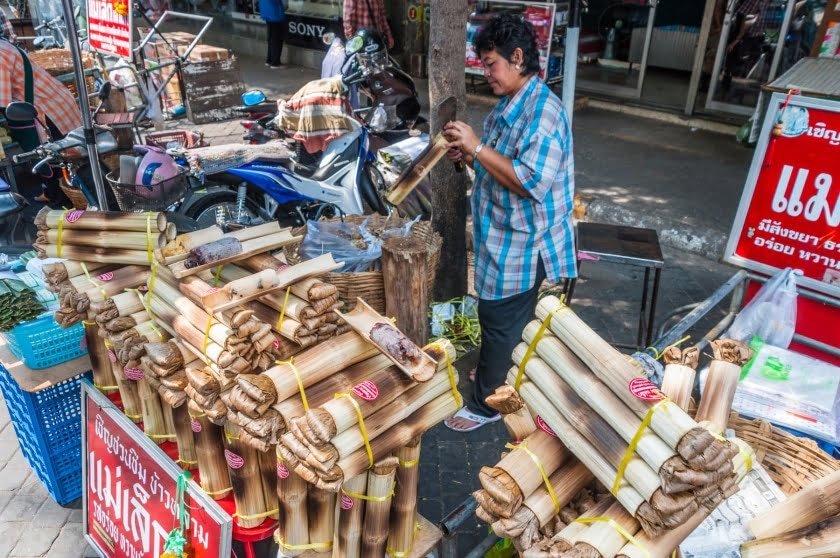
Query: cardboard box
<point x="207" y="53"/>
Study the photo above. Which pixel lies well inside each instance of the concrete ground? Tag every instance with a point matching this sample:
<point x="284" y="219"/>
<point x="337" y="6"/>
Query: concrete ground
<point x="630" y="170"/>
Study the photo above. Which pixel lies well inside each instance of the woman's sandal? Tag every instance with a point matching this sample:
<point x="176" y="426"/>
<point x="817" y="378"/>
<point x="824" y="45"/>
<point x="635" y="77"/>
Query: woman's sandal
<point x="466" y="414"/>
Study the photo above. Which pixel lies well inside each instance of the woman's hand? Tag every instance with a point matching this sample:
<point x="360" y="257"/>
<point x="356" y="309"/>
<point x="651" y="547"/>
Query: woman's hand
<point x="462" y="141"/>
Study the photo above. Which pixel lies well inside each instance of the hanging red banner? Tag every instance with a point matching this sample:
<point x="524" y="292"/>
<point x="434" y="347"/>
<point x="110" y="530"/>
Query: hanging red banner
<point x="109" y="27"/>
<point x="789" y="214"/>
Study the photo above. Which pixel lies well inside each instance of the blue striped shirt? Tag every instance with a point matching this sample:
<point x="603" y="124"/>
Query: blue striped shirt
<point x="511" y="232"/>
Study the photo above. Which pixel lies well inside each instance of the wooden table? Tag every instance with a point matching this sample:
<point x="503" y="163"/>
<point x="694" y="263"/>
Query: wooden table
<point x="428" y="537"/>
<point x="36" y="380"/>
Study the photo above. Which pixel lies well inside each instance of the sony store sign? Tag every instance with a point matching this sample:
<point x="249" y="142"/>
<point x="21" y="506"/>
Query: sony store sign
<point x="307" y="32"/>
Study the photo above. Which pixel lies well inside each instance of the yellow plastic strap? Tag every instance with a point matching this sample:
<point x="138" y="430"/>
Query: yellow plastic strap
<point x="311" y="546"/>
<point x="60" y="232"/>
<point x="747" y="459"/>
<point x="161" y="436"/>
<point x="217" y="277"/>
<point x="283" y="310"/>
<point x="105" y="388"/>
<point x="631" y="448"/>
<point x="524" y="447"/>
<point x="202" y="415"/>
<point x="256" y="515"/>
<point x="150" y="247"/>
<point x="206" y="342"/>
<point x="218" y="492"/>
<point x="657" y="355"/>
<point x="453" y="383"/>
<point x="362" y="427"/>
<point x="134" y="418"/>
<point x="409" y="464"/>
<point x="231" y="437"/>
<point x="403" y="553"/>
<point x="291" y="364"/>
<point x="520" y="375"/>
<point x="187" y="462"/>
<point x="367" y="498"/>
<point x="88" y="322"/>
<point x="621" y="530"/>
<point x="92" y="282"/>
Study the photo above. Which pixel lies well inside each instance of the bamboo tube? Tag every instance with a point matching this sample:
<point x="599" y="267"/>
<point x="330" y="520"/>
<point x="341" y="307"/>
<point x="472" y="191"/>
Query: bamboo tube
<point x="81" y="283"/>
<point x="58" y="272"/>
<point x="721" y="383"/>
<point x="566" y="538"/>
<point x="816" y="502"/>
<point x="93" y="254"/>
<point x="153" y="424"/>
<point x="177" y="325"/>
<point x="264" y="282"/>
<point x="819" y="540"/>
<point x="404" y="505"/>
<point x="296" y="308"/>
<point x="310" y="289"/>
<point x="613" y="368"/>
<point x="602" y="538"/>
<point x="104" y="239"/>
<point x="123" y="304"/>
<point x="100" y="220"/>
<point x="199" y="319"/>
<point x="268" y="469"/>
<point x="246" y="479"/>
<point x="351" y="512"/>
<point x="132" y="406"/>
<point x="187" y="454"/>
<point x="321" y="504"/>
<point x="293" y="528"/>
<point x="677" y="384"/>
<point x="209" y="447"/>
<point x="412" y="176"/>
<point x="318" y="363"/>
<point x="380" y="491"/>
<point x="519" y="424"/>
<point x="178" y="248"/>
<point x="103" y="374"/>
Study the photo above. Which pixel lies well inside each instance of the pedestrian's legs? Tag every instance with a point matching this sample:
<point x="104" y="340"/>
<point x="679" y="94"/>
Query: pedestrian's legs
<point x="502" y="322"/>
<point x="276" y="35"/>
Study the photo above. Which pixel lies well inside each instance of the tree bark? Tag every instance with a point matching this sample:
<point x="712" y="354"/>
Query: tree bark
<point x="404" y="270"/>
<point x="447" y="30"/>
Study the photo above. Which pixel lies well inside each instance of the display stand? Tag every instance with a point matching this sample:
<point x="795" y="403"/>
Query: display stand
<point x="555" y="19"/>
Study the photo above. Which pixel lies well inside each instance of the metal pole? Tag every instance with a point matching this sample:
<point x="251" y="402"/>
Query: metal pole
<point x="570" y="55"/>
<point x="87" y="121"/>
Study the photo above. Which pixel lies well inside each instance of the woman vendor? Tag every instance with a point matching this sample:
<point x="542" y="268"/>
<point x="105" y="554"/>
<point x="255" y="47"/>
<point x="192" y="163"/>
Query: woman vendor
<point x="522" y="201"/>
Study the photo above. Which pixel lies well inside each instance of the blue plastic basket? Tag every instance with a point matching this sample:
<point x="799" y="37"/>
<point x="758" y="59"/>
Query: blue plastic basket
<point x="48" y="427"/>
<point x="41" y="343"/>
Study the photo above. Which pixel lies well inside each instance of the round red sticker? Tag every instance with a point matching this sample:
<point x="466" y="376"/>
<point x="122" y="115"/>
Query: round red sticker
<point x="346" y="502"/>
<point x="112" y="356"/>
<point x="234" y="461"/>
<point x="367" y="390"/>
<point x="276" y="344"/>
<point x="282" y="471"/>
<point x="542" y="425"/>
<point x="106" y="276"/>
<point x="74" y="216"/>
<point x="644" y="389"/>
<point x="133" y="374"/>
<point x="195" y="425"/>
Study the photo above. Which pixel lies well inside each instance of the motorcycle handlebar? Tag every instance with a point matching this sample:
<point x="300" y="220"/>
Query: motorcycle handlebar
<point x="43" y="162"/>
<point x="24" y="157"/>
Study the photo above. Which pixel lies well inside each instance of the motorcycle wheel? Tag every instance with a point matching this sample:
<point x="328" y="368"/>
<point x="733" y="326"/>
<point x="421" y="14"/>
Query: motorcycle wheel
<point x="373" y="189"/>
<point x="206" y="210"/>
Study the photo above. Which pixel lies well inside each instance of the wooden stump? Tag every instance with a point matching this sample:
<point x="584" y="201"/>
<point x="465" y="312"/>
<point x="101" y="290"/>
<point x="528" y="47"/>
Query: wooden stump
<point x="404" y="271"/>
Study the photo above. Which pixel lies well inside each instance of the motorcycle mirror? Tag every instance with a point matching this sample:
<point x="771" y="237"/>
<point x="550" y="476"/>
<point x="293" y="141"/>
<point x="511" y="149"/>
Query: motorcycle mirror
<point x="328" y="38"/>
<point x="253" y="97"/>
<point x="21" y="110"/>
<point x="105" y="91"/>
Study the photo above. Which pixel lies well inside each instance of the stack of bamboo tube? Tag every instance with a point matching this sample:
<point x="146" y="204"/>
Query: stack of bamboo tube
<point x="101" y="236"/>
<point x="76" y="294"/>
<point x="805" y="525"/>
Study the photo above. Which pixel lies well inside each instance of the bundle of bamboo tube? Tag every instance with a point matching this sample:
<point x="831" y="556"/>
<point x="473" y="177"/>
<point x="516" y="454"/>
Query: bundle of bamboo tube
<point x="76" y="294"/>
<point x="806" y="524"/>
<point x="59" y="272"/>
<point x="101" y="236"/>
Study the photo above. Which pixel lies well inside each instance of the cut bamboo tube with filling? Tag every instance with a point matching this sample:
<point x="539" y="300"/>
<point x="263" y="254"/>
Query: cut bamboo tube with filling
<point x="380" y="332"/>
<point x="248" y="248"/>
<point x="100" y="220"/>
<point x="819" y="540"/>
<point x="380" y="491"/>
<point x="178" y="249"/>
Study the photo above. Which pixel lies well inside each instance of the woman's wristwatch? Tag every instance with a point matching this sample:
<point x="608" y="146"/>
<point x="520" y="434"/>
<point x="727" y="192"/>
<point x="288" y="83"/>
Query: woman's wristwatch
<point x="477" y="150"/>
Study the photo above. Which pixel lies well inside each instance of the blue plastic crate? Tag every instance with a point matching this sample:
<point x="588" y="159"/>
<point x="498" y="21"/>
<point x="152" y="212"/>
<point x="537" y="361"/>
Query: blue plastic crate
<point x="48" y="427"/>
<point x="41" y="343"/>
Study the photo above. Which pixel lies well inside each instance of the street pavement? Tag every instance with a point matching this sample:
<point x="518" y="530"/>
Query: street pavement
<point x="630" y="170"/>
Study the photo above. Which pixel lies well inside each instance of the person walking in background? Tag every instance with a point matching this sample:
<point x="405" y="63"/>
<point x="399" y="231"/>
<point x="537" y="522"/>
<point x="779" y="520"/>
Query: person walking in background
<point x="522" y="201"/>
<point x="274" y="14"/>
<point x="366" y="13"/>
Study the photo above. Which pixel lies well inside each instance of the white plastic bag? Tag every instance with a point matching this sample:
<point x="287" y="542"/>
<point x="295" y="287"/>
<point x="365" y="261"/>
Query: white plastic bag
<point x="771" y="315"/>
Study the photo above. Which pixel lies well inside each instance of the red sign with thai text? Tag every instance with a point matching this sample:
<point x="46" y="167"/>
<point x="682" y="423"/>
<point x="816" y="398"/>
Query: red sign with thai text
<point x="790" y="210"/>
<point x="109" y="27"/>
<point x="130" y="501"/>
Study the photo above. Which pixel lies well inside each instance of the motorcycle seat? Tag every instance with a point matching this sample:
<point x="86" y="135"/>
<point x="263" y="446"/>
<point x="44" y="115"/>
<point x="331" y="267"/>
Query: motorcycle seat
<point x="11" y="203"/>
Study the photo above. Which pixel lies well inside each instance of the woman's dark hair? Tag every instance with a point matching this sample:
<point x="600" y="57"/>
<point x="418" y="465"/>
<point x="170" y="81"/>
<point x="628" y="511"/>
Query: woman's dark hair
<point x="505" y="33"/>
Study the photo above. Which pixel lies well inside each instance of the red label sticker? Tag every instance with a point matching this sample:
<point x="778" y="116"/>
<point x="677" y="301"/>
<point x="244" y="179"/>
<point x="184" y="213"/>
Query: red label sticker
<point x="367" y="390"/>
<point x="346" y="502"/>
<point x="542" y="425"/>
<point x="106" y="276"/>
<point x="143" y="289"/>
<point x="282" y="471"/>
<point x="234" y="461"/>
<point x="83" y="344"/>
<point x="276" y="343"/>
<point x="74" y="216"/>
<point x="195" y="425"/>
<point x="112" y="356"/>
<point x="281" y="267"/>
<point x="644" y="389"/>
<point x="133" y="374"/>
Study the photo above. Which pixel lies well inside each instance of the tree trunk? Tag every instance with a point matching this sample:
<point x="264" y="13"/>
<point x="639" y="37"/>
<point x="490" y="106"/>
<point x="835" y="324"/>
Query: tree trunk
<point x="447" y="30"/>
<point x="404" y="271"/>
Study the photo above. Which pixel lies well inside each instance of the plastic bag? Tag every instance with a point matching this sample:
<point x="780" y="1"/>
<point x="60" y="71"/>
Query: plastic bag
<point x="354" y="245"/>
<point x="771" y="315"/>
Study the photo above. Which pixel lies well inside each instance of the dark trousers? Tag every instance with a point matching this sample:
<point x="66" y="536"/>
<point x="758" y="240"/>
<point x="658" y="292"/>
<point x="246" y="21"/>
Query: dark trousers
<point x="276" y="35"/>
<point x="502" y="322"/>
